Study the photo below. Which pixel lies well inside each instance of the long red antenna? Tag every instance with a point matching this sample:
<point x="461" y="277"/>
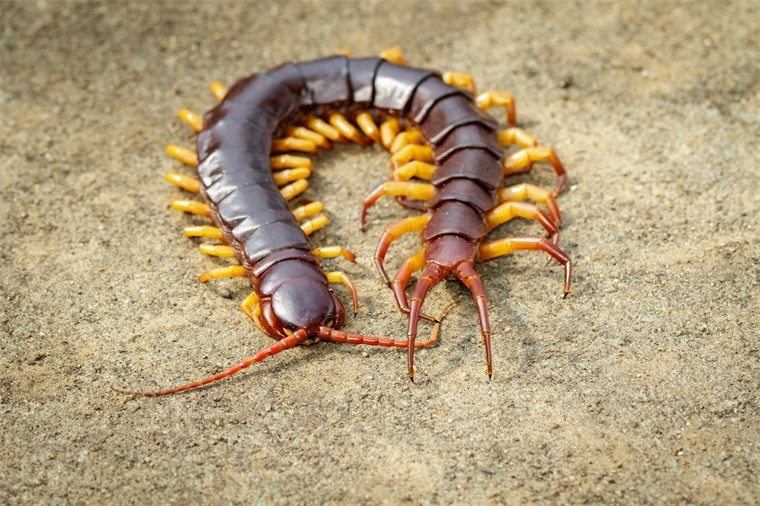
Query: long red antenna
<point x="338" y="336"/>
<point x="291" y="341"/>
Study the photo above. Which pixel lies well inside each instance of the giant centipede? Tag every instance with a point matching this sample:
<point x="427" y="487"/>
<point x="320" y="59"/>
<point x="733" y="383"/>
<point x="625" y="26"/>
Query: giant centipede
<point x="438" y="131"/>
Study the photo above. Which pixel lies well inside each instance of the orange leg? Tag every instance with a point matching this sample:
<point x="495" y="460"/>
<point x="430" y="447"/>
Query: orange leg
<point x="218" y="89"/>
<point x="193" y="120"/>
<point x="389" y="129"/>
<point x="508" y="245"/>
<point x="368" y="126"/>
<point x="412" y="224"/>
<point x="460" y="80"/>
<point x="394" y="55"/>
<point x="323" y="128"/>
<point x="522" y="161"/>
<point x="416" y="169"/>
<point x="406" y="138"/>
<point x="342" y="277"/>
<point x="525" y="191"/>
<point x="401" y="281"/>
<point x="499" y="99"/>
<point x="348" y="130"/>
<point x="412" y="152"/>
<point x="508" y="210"/>
<point x="514" y="135"/>
<point x="293" y="144"/>
<point x="187" y="183"/>
<point x="290" y="162"/>
<point x="309" y="135"/>
<point x="192" y="207"/>
<point x="314" y="224"/>
<point x="232" y="271"/>
<point x="419" y="191"/>
<point x="293" y="189"/>
<point x="184" y="155"/>
<point x="310" y="209"/>
<point x="332" y="252"/>
<point x="204" y="231"/>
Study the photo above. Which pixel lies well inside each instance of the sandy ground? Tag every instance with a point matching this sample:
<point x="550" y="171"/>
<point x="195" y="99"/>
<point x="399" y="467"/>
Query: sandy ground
<point x="641" y="387"/>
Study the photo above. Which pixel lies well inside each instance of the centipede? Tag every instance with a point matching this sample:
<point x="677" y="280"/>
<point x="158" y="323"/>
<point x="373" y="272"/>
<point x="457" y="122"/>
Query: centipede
<point x="449" y="159"/>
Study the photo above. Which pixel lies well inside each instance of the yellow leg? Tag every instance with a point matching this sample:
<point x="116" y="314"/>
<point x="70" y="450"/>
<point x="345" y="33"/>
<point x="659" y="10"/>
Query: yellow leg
<point x="233" y="271"/>
<point x="508" y="210"/>
<point x="250" y="306"/>
<point x="344" y="52"/>
<point x="416" y="169"/>
<point x="368" y="126"/>
<point x="294" y="189"/>
<point x="418" y="191"/>
<point x="204" y="231"/>
<point x="289" y="162"/>
<point x="394" y="55"/>
<point x="514" y="135"/>
<point x="192" y="207"/>
<point x="217" y="250"/>
<point x="303" y="212"/>
<point x="398" y="229"/>
<point x="346" y="129"/>
<point x="332" y="252"/>
<point x="412" y="152"/>
<point x="309" y="135"/>
<point x="522" y="161"/>
<point x="219" y="90"/>
<point x="460" y="80"/>
<point x="524" y="191"/>
<point x="293" y="144"/>
<point x="187" y="183"/>
<point x="193" y="120"/>
<point x="405" y="138"/>
<point x="508" y="245"/>
<point x="323" y="128"/>
<point x="314" y="224"/>
<point x="286" y="176"/>
<point x="342" y="277"/>
<point x="184" y="155"/>
<point x="499" y="99"/>
<point x="389" y="129"/>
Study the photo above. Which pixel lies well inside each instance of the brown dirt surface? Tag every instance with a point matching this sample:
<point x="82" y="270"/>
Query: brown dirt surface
<point x="640" y="388"/>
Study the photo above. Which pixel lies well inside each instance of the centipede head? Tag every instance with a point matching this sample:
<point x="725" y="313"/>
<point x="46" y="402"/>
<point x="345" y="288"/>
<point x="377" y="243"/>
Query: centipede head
<point x="302" y="303"/>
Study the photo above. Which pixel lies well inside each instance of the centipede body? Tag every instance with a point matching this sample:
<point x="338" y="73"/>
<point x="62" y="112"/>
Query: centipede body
<point x="439" y="132"/>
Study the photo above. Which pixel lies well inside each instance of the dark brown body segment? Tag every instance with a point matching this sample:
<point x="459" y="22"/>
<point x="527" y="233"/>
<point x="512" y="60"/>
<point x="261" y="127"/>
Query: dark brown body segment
<point x="235" y="143"/>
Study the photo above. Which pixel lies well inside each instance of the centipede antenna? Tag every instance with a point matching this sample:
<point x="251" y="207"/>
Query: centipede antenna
<point x="290" y="341"/>
<point x="338" y="336"/>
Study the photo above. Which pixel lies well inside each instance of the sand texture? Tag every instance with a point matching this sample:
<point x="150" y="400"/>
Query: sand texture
<point x="640" y="388"/>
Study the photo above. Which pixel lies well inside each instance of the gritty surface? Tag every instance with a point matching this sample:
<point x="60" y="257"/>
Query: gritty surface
<point x="640" y="387"/>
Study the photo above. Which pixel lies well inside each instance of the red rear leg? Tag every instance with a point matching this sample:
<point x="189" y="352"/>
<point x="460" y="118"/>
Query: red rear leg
<point x="471" y="279"/>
